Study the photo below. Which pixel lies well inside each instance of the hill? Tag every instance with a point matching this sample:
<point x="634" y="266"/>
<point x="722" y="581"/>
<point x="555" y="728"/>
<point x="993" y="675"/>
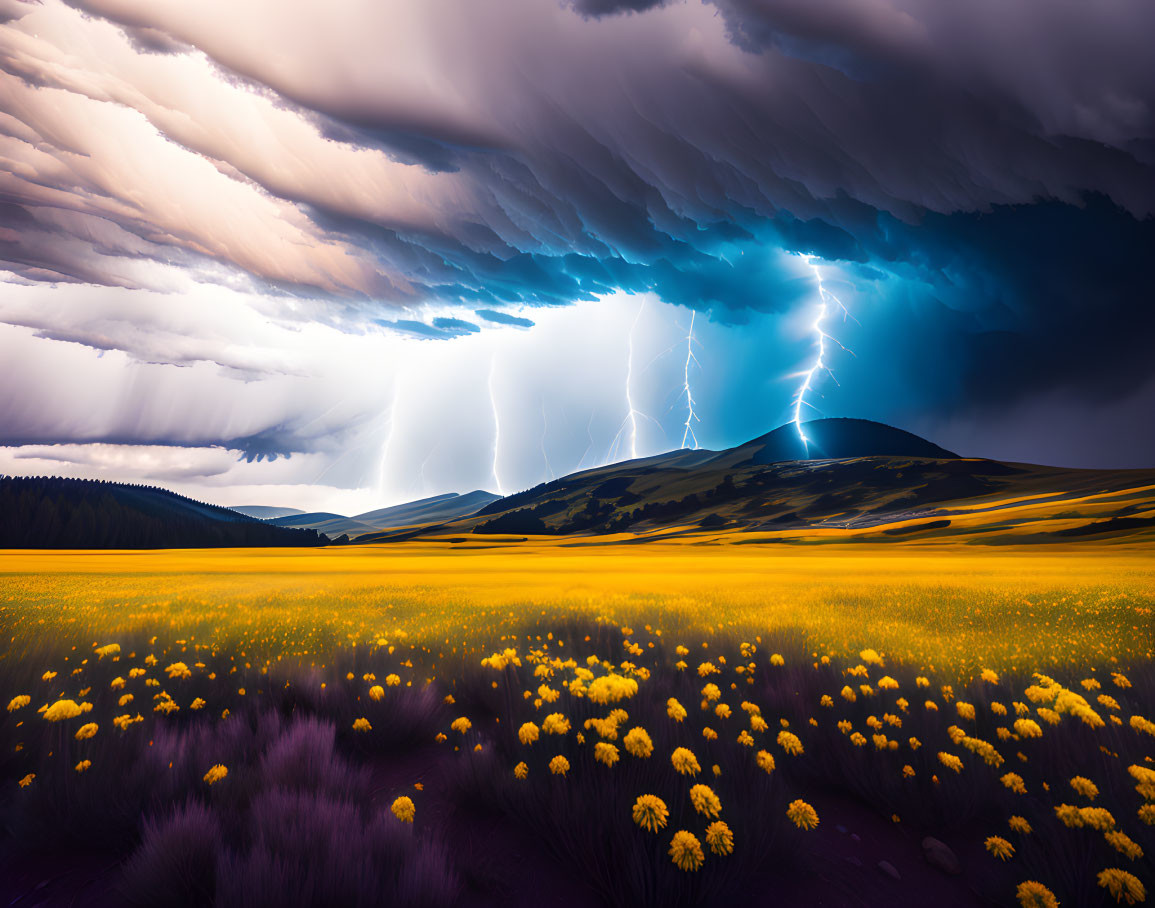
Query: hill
<point x="263" y="512"/>
<point x="53" y="513"/>
<point x="873" y="482"/>
<point x="437" y="509"/>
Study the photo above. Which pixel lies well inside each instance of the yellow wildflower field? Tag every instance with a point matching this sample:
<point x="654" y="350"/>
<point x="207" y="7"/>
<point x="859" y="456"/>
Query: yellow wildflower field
<point x="946" y="607"/>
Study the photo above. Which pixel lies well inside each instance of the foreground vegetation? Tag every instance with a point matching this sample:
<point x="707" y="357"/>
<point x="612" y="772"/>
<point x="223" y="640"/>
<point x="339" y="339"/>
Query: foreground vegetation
<point x="662" y="727"/>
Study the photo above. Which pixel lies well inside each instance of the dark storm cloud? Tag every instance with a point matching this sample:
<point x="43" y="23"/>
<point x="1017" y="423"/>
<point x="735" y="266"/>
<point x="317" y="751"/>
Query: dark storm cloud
<point x="998" y="160"/>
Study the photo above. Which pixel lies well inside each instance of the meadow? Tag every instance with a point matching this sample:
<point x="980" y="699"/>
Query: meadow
<point x="534" y="722"/>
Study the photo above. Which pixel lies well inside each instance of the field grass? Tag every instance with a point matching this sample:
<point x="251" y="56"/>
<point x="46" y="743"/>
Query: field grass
<point x="895" y="692"/>
<point x="947" y="608"/>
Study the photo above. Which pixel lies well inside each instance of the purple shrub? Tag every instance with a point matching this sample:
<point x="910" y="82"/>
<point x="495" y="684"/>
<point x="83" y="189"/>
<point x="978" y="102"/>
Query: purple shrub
<point x="175" y="864"/>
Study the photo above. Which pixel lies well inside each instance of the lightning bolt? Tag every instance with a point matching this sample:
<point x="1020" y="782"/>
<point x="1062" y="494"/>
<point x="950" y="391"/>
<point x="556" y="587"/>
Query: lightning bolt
<point x="383" y="469"/>
<point x="496" y="429"/>
<point x="691" y="416"/>
<point x="630" y="423"/>
<point x="819" y="367"/>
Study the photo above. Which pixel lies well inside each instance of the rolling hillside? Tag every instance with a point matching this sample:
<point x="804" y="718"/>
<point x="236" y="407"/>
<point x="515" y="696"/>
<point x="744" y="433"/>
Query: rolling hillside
<point x="913" y="491"/>
<point x="54" y="513"/>
<point x="437" y="509"/>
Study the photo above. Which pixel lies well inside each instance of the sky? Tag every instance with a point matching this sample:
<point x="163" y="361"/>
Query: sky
<point x="340" y="255"/>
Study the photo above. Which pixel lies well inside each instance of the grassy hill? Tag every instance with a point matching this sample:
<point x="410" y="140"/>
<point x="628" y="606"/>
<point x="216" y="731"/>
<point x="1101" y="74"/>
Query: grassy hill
<point x="54" y="513"/>
<point x="740" y="495"/>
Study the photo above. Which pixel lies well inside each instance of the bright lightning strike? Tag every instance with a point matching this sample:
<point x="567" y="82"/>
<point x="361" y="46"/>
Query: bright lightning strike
<point x="691" y="416"/>
<point x="810" y="376"/>
<point x="496" y="431"/>
<point x="630" y="423"/>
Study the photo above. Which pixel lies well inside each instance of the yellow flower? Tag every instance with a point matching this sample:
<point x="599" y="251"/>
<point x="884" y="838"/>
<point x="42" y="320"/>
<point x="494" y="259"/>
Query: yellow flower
<point x="717" y="770"/>
<point x="650" y="812"/>
<point x="848" y="694"/>
<point x="216" y="773"/>
<point x="857" y="739"/>
<point x="915" y="743"/>
<point x="932" y="706"/>
<point x="404" y="809"/>
<point x="950" y="761"/>
<point x="802" y="815"/>
<point x="18" y="702"/>
<point x="675" y="710"/>
<point x="887" y="683"/>
<point x="610" y="689"/>
<point x="707" y="668"/>
<point x="685" y="762"/>
<point x="709" y="734"/>
<point x="998" y="709"/>
<point x="178" y="670"/>
<point x="637" y="742"/>
<point x="87" y="731"/>
<point x="394" y="681"/>
<point x="710" y="693"/>
<point x="1122" y="885"/>
<point x="705" y="801"/>
<point x="999" y="847"/>
<point x="122" y="722"/>
<point x="719" y="838"/>
<point x="559" y="765"/>
<point x="1147" y="814"/>
<point x="745" y="739"/>
<point x="722" y="711"/>
<point x="871" y="657"/>
<point x="1085" y="787"/>
<point x="1108" y="701"/>
<point x="528" y="733"/>
<point x="520" y="771"/>
<point x="27" y="780"/>
<point x="606" y="753"/>
<point x="1049" y="716"/>
<point x="362" y="724"/>
<point x="112" y="649"/>
<point x="1120" y="680"/>
<point x="1028" y="728"/>
<point x="790" y="743"/>
<point x="826" y="701"/>
<point x="1019" y="825"/>
<point x="991" y="677"/>
<point x="549" y="694"/>
<point x="686" y="851"/>
<point x="908" y="771"/>
<point x="47" y="676"/>
<point x="920" y="681"/>
<point x="765" y="761"/>
<point x="965" y="710"/>
<point x="554" y="724"/>
<point x="1123" y="843"/>
<point x="757" y="723"/>
<point x="376" y="692"/>
<point x="1014" y="782"/>
<point x="1140" y="724"/>
<point x="777" y="660"/>
<point x="83" y="765"/>
<point x="461" y="724"/>
<point x="1035" y="895"/>
<point x="62" y="709"/>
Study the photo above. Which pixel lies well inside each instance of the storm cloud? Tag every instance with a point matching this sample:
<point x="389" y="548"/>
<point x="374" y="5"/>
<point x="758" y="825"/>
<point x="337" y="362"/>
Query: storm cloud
<point x="443" y="168"/>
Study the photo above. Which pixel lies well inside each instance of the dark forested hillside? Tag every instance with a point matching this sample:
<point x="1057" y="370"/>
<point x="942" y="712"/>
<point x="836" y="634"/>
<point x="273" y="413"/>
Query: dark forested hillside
<point x="54" y="513"/>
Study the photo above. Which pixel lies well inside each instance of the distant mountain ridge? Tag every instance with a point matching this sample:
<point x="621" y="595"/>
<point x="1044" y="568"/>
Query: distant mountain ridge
<point x="435" y="509"/>
<point x="839" y="439"/>
<point x="853" y="479"/>
<point x="54" y="513"/>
